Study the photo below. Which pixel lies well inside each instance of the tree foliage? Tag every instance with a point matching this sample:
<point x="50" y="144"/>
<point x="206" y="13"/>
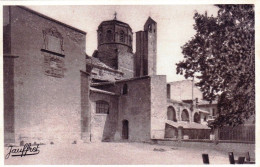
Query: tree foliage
<point x="222" y="57"/>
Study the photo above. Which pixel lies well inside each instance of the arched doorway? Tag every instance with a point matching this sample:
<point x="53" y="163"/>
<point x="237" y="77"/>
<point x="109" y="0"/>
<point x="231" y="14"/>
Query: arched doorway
<point x="125" y="129"/>
<point x="196" y="118"/>
<point x="185" y="116"/>
<point x="171" y="114"/>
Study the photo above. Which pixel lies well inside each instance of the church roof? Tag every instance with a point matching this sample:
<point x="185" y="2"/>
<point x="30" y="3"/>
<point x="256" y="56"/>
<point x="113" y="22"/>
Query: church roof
<point x="114" y="22"/>
<point x="97" y="63"/>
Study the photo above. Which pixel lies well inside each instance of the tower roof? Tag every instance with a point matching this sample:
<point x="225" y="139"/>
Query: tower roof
<point x="109" y="22"/>
<point x="150" y="19"/>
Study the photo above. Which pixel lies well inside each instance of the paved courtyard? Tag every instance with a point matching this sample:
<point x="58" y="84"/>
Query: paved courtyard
<point x="117" y="153"/>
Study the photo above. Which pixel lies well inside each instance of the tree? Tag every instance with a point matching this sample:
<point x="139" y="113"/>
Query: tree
<point x="222" y="57"/>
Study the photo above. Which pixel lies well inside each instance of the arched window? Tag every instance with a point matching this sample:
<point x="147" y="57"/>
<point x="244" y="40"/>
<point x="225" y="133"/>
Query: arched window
<point x="125" y="89"/>
<point x="102" y="107"/>
<point x="109" y="35"/>
<point x="171" y="114"/>
<point x="185" y="115"/>
<point x="196" y="118"/>
<point x="122" y="36"/>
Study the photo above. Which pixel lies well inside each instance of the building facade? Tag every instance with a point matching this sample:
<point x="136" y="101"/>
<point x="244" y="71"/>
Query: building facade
<point x="54" y="92"/>
<point x="43" y="60"/>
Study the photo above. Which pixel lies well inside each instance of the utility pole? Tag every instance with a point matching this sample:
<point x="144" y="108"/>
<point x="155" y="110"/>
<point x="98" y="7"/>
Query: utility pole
<point x="192" y="85"/>
<point x="192" y="90"/>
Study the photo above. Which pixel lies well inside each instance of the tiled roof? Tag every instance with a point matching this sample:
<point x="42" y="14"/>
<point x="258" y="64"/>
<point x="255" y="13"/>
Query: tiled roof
<point x="96" y="62"/>
<point x="177" y="102"/>
<point x="114" y="22"/>
<point x="203" y="111"/>
<point x="205" y="102"/>
<point x="102" y="91"/>
<point x="123" y="80"/>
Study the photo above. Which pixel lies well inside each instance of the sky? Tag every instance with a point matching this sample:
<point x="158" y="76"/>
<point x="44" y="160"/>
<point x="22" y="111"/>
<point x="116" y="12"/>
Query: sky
<point x="174" y="26"/>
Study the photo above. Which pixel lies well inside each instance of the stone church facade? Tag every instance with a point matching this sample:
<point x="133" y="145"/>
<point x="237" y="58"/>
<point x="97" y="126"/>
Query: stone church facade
<point x="54" y="92"/>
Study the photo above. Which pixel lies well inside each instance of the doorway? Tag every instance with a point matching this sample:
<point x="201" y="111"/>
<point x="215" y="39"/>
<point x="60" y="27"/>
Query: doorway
<point x="125" y="129"/>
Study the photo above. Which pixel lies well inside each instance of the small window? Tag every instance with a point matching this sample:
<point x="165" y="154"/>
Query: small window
<point x="102" y="107"/>
<point x="122" y="36"/>
<point x="109" y="35"/>
<point x="125" y="89"/>
<point x="150" y="27"/>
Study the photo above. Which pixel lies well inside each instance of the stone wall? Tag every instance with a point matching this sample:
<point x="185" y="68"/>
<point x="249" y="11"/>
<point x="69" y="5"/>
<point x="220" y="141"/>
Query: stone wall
<point x="9" y="99"/>
<point x="85" y="106"/>
<point x="158" y="106"/>
<point x="108" y="55"/>
<point x="8" y="67"/>
<point x="103" y="126"/>
<point x="46" y="107"/>
<point x="126" y="62"/>
<point x="135" y="107"/>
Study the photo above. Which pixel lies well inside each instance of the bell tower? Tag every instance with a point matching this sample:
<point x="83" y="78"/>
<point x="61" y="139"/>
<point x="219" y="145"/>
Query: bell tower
<point x="115" y="46"/>
<point x="146" y="49"/>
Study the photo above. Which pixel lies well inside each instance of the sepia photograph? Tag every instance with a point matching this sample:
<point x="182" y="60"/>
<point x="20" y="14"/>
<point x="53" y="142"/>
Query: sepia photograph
<point x="129" y="84"/>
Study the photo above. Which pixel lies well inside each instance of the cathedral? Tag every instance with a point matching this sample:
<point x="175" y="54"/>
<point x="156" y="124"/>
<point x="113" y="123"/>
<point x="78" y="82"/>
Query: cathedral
<point x="55" y="92"/>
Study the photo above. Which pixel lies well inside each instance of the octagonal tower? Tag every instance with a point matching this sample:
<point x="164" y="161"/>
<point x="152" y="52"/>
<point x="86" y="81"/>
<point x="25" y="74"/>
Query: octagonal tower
<point x="115" y="46"/>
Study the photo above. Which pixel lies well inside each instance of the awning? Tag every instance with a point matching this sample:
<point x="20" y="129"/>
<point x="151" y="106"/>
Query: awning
<point x="102" y="91"/>
<point x="203" y="111"/>
<point x="187" y="125"/>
